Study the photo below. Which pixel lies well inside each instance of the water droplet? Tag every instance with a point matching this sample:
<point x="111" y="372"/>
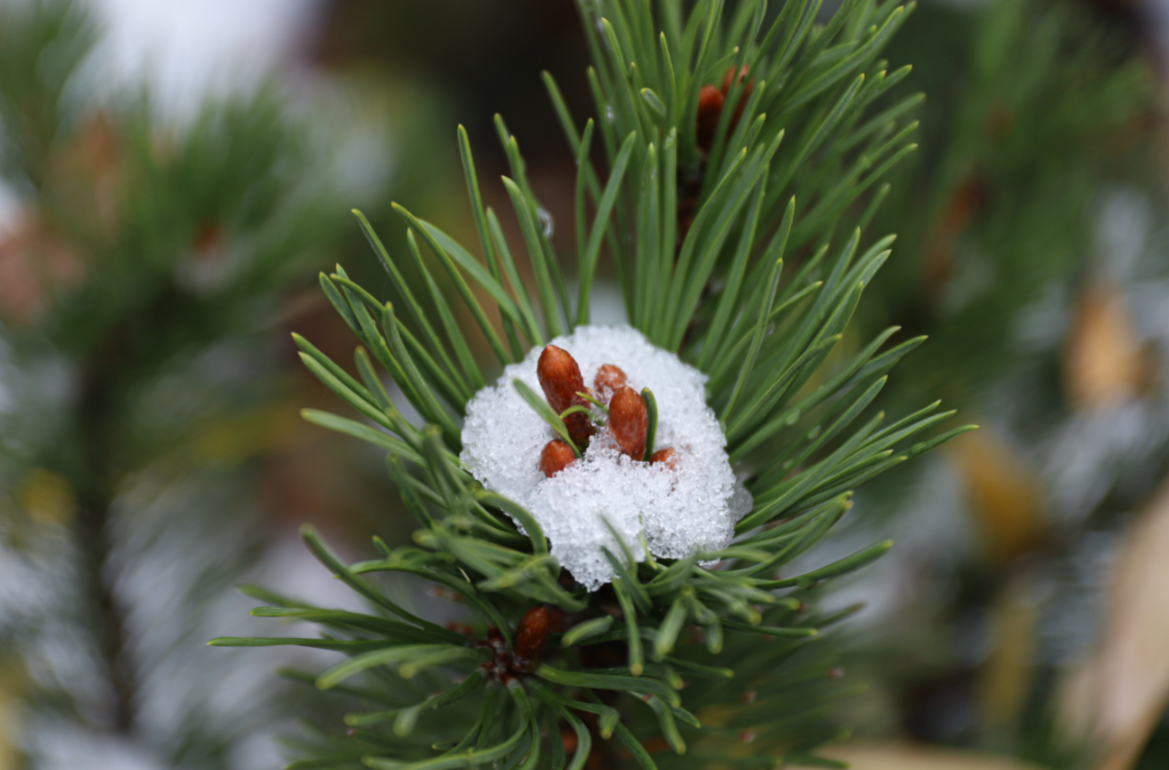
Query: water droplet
<point x="609" y="112"/>
<point x="547" y="222"/>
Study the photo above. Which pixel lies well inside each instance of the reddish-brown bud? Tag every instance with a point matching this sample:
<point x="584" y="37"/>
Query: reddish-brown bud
<point x="580" y="427"/>
<point x="710" y="106"/>
<point x="559" y="377"/>
<point x="533" y="631"/>
<point x="743" y="98"/>
<point x="609" y="379"/>
<point x="556" y="457"/>
<point x="561" y="380"/>
<point x="628" y="421"/>
<point x="667" y="457"/>
<point x="730" y="74"/>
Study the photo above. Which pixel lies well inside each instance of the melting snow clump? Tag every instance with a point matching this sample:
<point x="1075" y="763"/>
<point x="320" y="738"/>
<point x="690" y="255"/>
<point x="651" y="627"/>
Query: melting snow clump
<point x="673" y="511"/>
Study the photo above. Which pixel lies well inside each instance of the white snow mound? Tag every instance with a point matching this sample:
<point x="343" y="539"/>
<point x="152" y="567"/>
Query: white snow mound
<point x="674" y="512"/>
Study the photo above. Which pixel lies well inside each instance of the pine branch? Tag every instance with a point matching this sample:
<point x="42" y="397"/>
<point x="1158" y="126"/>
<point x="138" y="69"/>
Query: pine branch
<point x="703" y="201"/>
<point x="96" y="415"/>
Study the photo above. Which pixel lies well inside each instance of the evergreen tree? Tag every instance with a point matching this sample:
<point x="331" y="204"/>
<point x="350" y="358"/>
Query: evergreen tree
<point x="136" y="281"/>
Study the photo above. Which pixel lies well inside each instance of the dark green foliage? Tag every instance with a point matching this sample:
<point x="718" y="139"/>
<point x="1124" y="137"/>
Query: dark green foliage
<point x="1037" y="115"/>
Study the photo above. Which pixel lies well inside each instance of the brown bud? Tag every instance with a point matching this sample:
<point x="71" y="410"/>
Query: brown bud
<point x="495" y="640"/>
<point x="710" y="106"/>
<point x="559" y="377"/>
<point x="730" y="75"/>
<point x="556" y="457"/>
<point x="743" y="98"/>
<point x="628" y="421"/>
<point x="561" y="380"/>
<point x="667" y="457"/>
<point x="580" y="427"/>
<point x="533" y="631"/>
<point x="609" y="379"/>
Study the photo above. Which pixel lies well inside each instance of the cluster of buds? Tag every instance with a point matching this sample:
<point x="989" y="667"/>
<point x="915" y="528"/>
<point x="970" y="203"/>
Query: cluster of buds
<point x="564" y="388"/>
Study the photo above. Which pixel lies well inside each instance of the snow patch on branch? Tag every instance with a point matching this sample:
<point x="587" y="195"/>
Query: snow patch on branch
<point x="673" y="512"/>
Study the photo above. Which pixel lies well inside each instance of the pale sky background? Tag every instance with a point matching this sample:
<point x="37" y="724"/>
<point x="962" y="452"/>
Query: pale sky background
<point x="185" y="50"/>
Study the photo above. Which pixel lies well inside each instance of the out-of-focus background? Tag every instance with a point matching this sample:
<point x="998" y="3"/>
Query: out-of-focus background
<point x="173" y="176"/>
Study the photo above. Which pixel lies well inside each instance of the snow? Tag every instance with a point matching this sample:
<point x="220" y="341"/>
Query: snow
<point x="672" y="512"/>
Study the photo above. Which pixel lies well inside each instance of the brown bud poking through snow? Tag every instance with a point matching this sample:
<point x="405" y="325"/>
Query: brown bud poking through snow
<point x="556" y="457"/>
<point x="628" y="421"/>
<point x="532" y="634"/>
<point x="559" y="377"/>
<point x="609" y="380"/>
<point x="710" y="106"/>
<point x="561" y="380"/>
<point x="667" y="457"/>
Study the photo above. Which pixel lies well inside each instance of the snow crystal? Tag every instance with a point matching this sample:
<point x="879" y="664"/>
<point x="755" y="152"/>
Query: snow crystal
<point x="672" y="512"/>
